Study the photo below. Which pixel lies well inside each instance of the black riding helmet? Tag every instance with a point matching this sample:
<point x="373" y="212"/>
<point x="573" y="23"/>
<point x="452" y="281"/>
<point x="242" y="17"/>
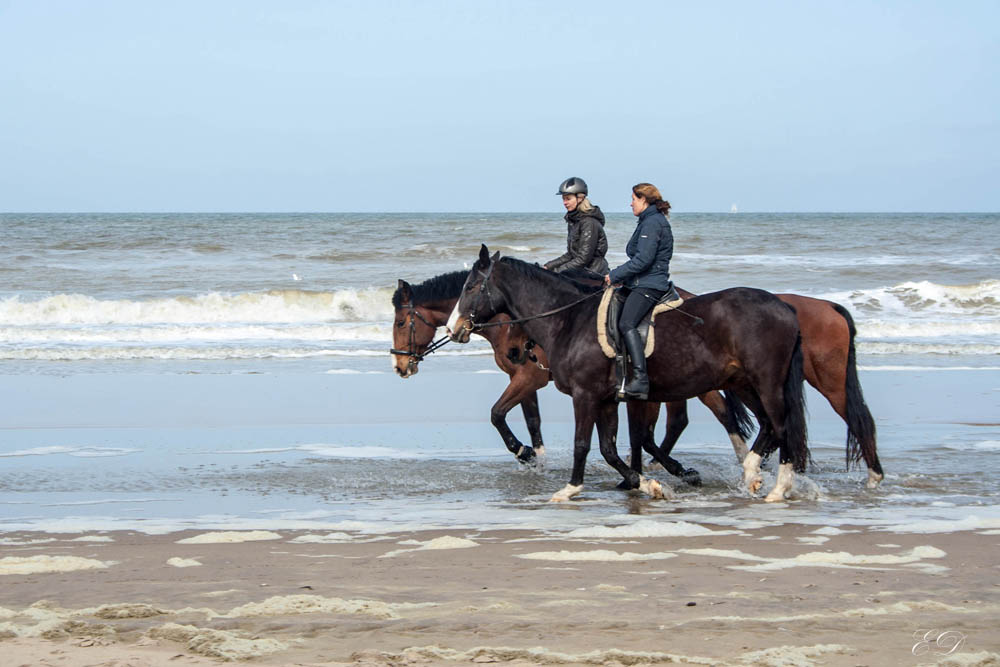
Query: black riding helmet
<point x="573" y="186"/>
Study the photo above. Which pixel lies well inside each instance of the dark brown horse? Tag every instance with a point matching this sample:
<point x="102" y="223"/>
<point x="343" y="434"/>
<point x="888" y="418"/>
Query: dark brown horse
<point x="421" y="309"/>
<point x="748" y="342"/>
<point x="830" y="366"/>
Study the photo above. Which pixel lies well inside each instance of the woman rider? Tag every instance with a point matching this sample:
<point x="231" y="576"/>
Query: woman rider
<point x="646" y="275"/>
<point x="586" y="243"/>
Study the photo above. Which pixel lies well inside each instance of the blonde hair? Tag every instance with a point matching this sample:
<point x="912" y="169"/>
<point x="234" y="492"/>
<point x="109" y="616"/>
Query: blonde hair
<point x="585" y="206"/>
<point x="652" y="195"/>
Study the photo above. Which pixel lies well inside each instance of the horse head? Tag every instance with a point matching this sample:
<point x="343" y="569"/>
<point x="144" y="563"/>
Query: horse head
<point x="475" y="305"/>
<point x="412" y="332"/>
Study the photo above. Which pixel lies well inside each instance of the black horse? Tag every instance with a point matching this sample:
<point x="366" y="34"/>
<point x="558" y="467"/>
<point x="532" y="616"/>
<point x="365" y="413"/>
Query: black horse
<point x="747" y="342"/>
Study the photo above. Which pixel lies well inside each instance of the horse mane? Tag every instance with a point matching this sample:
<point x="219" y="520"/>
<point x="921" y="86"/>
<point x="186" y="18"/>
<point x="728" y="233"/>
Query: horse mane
<point x="534" y="271"/>
<point x="445" y="286"/>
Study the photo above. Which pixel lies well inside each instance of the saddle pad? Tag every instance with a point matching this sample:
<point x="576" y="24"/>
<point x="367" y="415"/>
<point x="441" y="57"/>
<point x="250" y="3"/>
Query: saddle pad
<point x="602" y="322"/>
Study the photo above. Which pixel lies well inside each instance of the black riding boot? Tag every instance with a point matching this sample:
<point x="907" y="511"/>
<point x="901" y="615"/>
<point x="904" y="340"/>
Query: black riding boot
<point x="638" y="387"/>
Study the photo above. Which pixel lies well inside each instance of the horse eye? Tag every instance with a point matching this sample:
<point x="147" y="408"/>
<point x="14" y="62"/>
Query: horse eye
<point x="399" y="324"/>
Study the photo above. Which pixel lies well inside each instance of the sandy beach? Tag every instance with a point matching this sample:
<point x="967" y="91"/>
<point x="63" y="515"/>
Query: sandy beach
<point x="791" y="595"/>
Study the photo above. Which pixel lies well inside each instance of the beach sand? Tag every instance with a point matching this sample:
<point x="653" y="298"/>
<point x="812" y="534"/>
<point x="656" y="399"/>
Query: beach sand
<point x="785" y="595"/>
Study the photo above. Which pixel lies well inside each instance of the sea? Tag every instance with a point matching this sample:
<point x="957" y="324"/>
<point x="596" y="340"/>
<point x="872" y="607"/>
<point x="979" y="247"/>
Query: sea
<point x="163" y="371"/>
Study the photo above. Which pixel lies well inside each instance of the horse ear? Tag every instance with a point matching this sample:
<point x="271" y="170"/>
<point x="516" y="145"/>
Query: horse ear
<point x="484" y="254"/>
<point x="496" y="256"/>
<point x="404" y="289"/>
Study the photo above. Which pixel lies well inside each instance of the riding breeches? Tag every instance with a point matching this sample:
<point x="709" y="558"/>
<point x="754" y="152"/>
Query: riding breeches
<point x="637" y="305"/>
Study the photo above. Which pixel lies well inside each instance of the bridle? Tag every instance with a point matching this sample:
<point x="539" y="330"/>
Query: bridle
<point x="471" y="324"/>
<point x="414" y="356"/>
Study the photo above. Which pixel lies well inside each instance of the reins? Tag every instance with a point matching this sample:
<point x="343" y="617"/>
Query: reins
<point x="547" y="313"/>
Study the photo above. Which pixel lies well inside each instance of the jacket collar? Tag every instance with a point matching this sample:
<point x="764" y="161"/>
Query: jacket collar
<point x="650" y="210"/>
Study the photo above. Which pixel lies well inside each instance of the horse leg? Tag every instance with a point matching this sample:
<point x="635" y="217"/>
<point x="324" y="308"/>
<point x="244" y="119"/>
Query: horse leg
<point x="785" y="405"/>
<point x="762" y="445"/>
<point x="607" y="429"/>
<point x="641" y="420"/>
<point x="585" y="412"/>
<point x="533" y="420"/>
<point x="511" y="396"/>
<point x="847" y="401"/>
<point x="677" y="421"/>
<point x="714" y="401"/>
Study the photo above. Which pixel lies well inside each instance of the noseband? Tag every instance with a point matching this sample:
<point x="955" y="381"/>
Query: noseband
<point x="417" y="357"/>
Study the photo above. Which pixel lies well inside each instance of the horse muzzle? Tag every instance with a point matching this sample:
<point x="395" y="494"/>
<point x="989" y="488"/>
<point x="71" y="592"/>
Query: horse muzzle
<point x="463" y="330"/>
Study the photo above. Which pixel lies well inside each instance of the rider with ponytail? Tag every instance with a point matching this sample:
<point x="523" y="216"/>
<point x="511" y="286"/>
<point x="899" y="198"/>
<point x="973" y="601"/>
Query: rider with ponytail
<point x="646" y="276"/>
<point x="586" y="243"/>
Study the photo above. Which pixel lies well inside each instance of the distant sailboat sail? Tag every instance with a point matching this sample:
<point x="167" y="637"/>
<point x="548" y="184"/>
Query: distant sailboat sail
<point x="734" y="209"/>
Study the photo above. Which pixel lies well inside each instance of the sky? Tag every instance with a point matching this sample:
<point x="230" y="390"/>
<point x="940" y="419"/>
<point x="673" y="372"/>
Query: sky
<point x="476" y="105"/>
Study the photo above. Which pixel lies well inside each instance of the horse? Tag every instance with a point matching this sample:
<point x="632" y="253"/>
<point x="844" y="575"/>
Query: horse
<point x="748" y="342"/>
<point x="421" y="309"/>
<point x="830" y="366"/>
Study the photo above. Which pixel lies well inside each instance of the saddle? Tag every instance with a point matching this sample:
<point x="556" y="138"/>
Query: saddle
<point x="610" y="338"/>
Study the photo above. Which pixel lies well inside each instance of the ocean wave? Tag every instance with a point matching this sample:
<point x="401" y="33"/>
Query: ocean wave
<point x="928" y="329"/>
<point x="186" y="334"/>
<point x="81" y="452"/>
<point x="819" y="261"/>
<point x="924" y="297"/>
<point x="202" y="353"/>
<point x="949" y="349"/>
<point x="276" y="306"/>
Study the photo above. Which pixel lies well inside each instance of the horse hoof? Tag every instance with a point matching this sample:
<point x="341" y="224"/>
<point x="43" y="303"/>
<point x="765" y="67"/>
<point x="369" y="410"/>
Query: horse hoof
<point x="753" y="486"/>
<point x="653" y="488"/>
<point x="692" y="477"/>
<point x="526" y="454"/>
<point x="874" y="479"/>
<point x="775" y="497"/>
<point x="625" y="485"/>
<point x="540" y="450"/>
<point x="565" y="493"/>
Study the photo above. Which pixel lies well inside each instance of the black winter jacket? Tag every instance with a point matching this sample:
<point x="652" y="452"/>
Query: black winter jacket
<point x="586" y="243"/>
<point x="649" y="251"/>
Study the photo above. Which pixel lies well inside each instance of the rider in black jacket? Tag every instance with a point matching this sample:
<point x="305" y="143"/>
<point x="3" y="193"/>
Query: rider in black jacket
<point x="586" y="243"/>
<point x="646" y="274"/>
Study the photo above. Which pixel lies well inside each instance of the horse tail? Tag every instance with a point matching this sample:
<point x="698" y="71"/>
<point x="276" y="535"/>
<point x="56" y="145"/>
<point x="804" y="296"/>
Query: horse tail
<point x="795" y="409"/>
<point x="860" y="424"/>
<point x="738" y="416"/>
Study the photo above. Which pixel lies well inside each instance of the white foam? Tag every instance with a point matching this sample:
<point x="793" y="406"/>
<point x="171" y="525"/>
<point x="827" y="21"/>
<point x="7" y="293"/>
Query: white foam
<point x="813" y="539"/>
<point x="329" y="538"/>
<point x="230" y="537"/>
<point x="648" y="528"/>
<point x="945" y="525"/>
<point x="839" y="559"/>
<point x="183" y="562"/>
<point x="446" y="542"/>
<point x="93" y="538"/>
<point x="224" y="644"/>
<point x="284" y="605"/>
<point x="596" y="555"/>
<point x="44" y="564"/>
<point x="79" y="451"/>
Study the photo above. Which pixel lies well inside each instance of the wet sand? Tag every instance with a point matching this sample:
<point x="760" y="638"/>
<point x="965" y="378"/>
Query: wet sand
<point x="785" y="595"/>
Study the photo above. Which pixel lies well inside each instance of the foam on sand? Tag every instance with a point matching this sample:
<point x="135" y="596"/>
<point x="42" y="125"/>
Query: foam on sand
<point x="834" y="559"/>
<point x="773" y="657"/>
<point x="44" y="564"/>
<point x="183" y="562"/>
<point x="329" y="538"/>
<point x="647" y="528"/>
<point x="222" y="644"/>
<point x="93" y="538"/>
<point x="596" y="555"/>
<point x="897" y="608"/>
<point x="446" y="542"/>
<point x="231" y="537"/>
<point x="285" y="605"/>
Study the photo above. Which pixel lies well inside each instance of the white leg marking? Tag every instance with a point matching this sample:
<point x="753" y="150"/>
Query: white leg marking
<point x="520" y="450"/>
<point x="739" y="446"/>
<point x="566" y="493"/>
<point x="786" y="479"/>
<point x="653" y="488"/>
<point x="452" y="319"/>
<point x="540" y="450"/>
<point x="873" y="479"/>
<point x="751" y="472"/>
